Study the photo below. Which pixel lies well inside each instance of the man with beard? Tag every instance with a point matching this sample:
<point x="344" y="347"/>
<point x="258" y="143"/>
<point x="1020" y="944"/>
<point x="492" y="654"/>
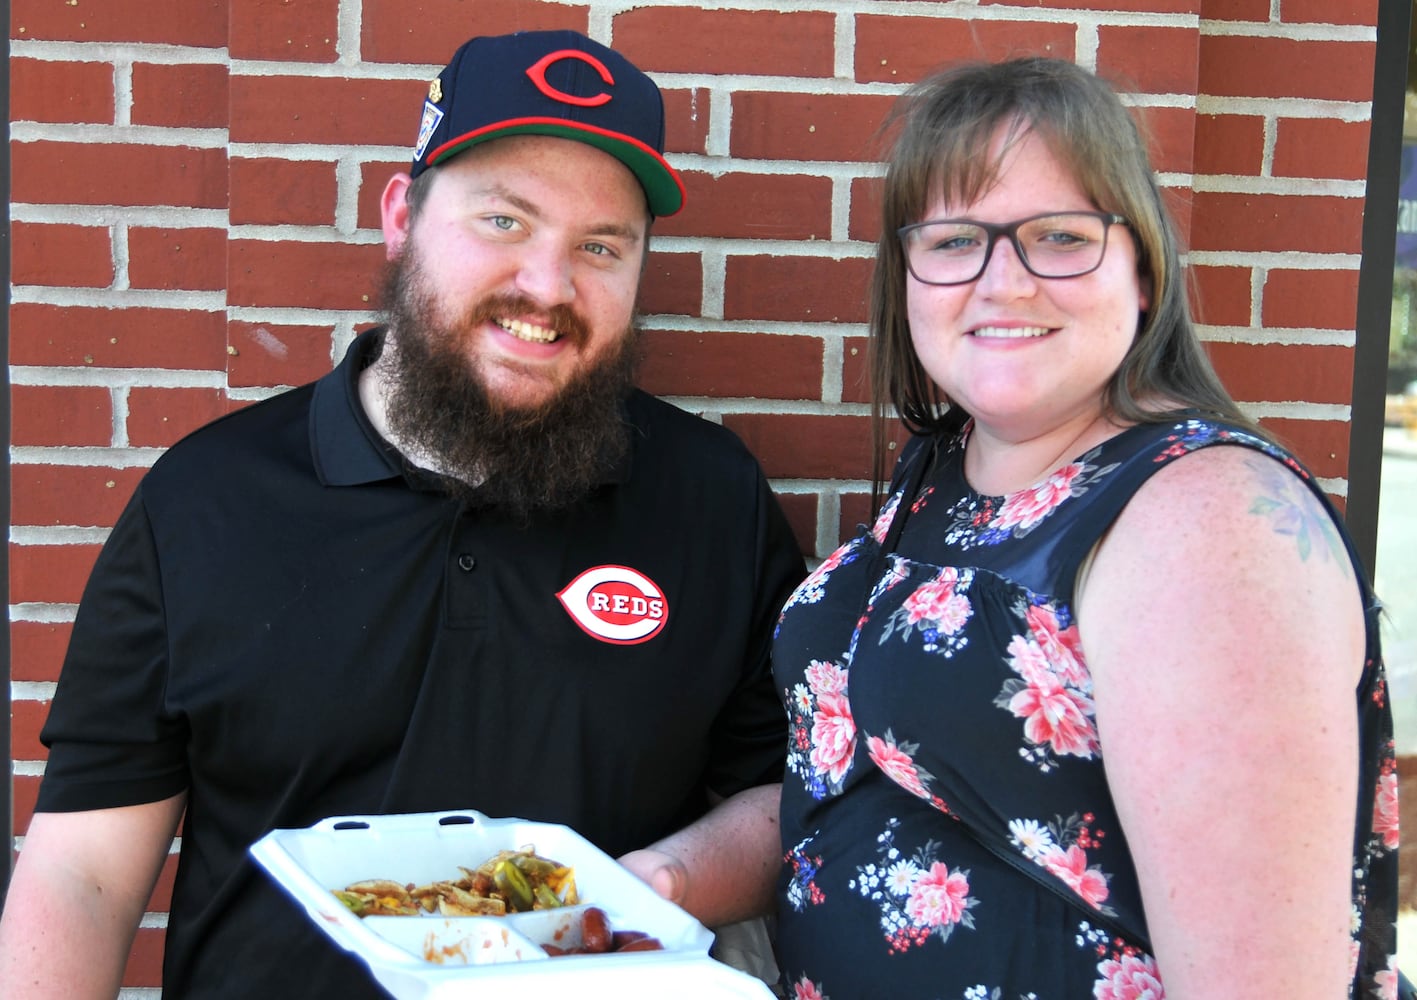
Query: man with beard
<point x="471" y="568"/>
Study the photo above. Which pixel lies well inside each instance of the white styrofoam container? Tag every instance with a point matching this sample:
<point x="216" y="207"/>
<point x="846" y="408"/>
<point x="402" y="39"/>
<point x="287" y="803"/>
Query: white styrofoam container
<point x="440" y="957"/>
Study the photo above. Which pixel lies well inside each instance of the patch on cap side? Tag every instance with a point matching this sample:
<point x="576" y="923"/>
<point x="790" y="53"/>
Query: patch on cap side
<point x="432" y="115"/>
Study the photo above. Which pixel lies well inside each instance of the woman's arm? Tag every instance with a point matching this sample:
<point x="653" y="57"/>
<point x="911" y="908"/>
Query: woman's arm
<point x="1223" y="625"/>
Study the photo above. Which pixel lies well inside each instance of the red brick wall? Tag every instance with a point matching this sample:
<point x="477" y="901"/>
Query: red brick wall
<point x="195" y="192"/>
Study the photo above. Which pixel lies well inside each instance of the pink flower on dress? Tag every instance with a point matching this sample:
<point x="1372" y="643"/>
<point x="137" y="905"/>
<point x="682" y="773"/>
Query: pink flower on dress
<point x="1385" y="820"/>
<point x="1028" y="660"/>
<point x="1055" y="715"/>
<point x="1070" y="865"/>
<point x="1132" y="977"/>
<point x="897" y="764"/>
<point x="1386" y="980"/>
<point x="1027" y="507"/>
<point x="805" y="989"/>
<point x="883" y="520"/>
<point x="833" y="736"/>
<point x="825" y="678"/>
<point x="937" y="602"/>
<point x="828" y="564"/>
<point x="937" y="897"/>
<point x="1062" y="648"/>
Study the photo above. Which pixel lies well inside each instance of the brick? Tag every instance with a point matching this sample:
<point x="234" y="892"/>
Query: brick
<point x="1310" y="299"/>
<point x="59" y="255"/>
<point x="190" y="259"/>
<point x="856" y="370"/>
<point x="797" y="289"/>
<point x="275" y="192"/>
<point x="50" y="574"/>
<point x="58" y="416"/>
<point x="70" y="495"/>
<point x="1249" y="66"/>
<point x="865" y="220"/>
<point x="906" y="49"/>
<point x="1230" y="144"/>
<point x="1283" y="373"/>
<point x="200" y="23"/>
<point x="42" y="90"/>
<point x="1148" y="60"/>
<point x="1144" y="6"/>
<point x="753" y="206"/>
<point x="1180" y="206"/>
<point x="856" y="510"/>
<point x="307" y="275"/>
<point x="304" y="31"/>
<point x="144" y="967"/>
<point x="337" y="111"/>
<point x="1222" y="295"/>
<point x="1318" y="147"/>
<point x="157" y="418"/>
<point x="672" y="284"/>
<point x="1322" y="445"/>
<point x="1277" y="223"/>
<point x="185" y="95"/>
<point x="391" y="34"/>
<point x="1170" y="135"/>
<point x="271" y="355"/>
<point x="805" y="446"/>
<point x="801" y="512"/>
<point x="686" y="120"/>
<point x="1237" y="10"/>
<point x="694" y="40"/>
<point x="764" y="366"/>
<point x="80" y="336"/>
<point x="37" y="649"/>
<point x="59" y="173"/>
<point x="26" y="719"/>
<point x="1362" y="13"/>
<point x="791" y="126"/>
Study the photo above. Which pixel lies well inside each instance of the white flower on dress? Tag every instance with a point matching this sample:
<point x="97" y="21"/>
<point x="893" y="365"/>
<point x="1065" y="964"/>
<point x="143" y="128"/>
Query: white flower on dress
<point x="1030" y="836"/>
<point x="901" y="876"/>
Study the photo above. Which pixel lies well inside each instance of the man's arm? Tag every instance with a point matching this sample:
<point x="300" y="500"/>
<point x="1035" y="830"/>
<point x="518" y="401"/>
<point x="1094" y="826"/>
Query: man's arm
<point x="77" y="894"/>
<point x="723" y="867"/>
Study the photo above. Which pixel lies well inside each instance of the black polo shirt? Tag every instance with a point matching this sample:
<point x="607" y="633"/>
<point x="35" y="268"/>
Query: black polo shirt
<point x="288" y="627"/>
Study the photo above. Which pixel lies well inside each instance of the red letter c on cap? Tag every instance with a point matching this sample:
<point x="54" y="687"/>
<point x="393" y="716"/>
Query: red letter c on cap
<point x="537" y="73"/>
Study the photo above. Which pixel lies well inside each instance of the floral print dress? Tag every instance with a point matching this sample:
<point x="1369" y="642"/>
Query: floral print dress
<point x="947" y="826"/>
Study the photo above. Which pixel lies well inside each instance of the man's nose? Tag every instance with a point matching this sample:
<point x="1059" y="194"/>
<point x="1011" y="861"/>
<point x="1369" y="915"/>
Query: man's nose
<point x="544" y="274"/>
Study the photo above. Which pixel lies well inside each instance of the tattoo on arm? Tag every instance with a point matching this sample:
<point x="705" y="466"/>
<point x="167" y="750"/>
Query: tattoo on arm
<point x="1292" y="510"/>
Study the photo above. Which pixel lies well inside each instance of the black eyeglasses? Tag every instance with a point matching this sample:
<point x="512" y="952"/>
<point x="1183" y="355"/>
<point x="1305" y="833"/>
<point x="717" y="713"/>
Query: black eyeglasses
<point x="1052" y="245"/>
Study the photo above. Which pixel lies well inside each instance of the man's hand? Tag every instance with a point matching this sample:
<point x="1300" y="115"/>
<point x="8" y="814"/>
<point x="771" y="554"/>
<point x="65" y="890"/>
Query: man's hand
<point x="722" y="868"/>
<point x="664" y="873"/>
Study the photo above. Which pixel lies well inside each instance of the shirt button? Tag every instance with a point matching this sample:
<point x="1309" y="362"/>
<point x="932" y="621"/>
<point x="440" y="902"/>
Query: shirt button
<point x="466" y="562"/>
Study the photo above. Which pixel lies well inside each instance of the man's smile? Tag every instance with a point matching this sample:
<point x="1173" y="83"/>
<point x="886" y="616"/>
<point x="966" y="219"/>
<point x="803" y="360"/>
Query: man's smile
<point x="528" y="331"/>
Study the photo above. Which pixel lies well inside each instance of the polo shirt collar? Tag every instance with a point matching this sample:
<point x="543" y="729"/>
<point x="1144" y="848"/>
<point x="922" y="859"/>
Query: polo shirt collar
<point x="346" y="448"/>
<point x="348" y="451"/>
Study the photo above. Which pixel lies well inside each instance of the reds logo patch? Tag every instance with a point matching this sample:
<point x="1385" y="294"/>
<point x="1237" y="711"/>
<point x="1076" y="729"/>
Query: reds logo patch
<point x="616" y="604"/>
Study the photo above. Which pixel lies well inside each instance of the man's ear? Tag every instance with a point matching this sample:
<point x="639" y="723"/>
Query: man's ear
<point x="394" y="210"/>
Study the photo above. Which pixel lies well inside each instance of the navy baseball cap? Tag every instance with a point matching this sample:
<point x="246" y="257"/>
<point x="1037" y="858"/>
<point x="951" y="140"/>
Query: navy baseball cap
<point x="557" y="83"/>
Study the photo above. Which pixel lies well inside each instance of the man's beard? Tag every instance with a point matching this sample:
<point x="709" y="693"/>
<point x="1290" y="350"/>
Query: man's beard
<point x="489" y="453"/>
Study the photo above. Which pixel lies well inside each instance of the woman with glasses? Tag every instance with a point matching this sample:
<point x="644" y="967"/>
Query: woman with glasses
<point x="1096" y="707"/>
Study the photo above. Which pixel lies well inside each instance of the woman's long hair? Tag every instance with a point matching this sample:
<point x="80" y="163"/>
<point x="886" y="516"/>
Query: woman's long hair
<point x="946" y="126"/>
